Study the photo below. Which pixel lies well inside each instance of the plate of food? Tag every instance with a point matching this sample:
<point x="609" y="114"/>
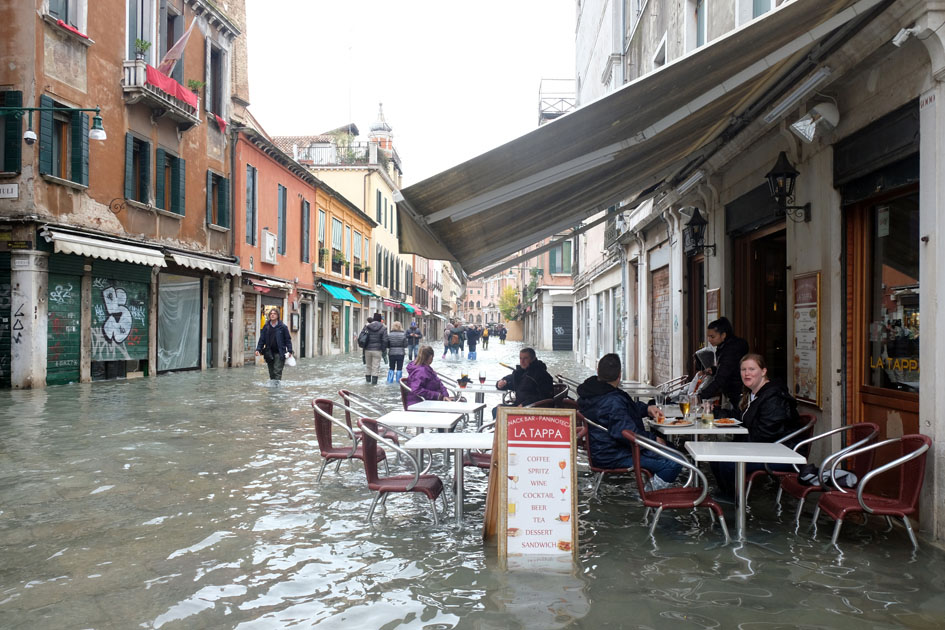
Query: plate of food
<point x="727" y="422"/>
<point x="673" y="422"/>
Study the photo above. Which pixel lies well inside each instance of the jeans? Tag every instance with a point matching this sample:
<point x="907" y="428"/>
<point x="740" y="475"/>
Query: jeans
<point x="373" y="358"/>
<point x="275" y="367"/>
<point x="397" y="362"/>
<point x="411" y="351"/>
<point x="663" y="468"/>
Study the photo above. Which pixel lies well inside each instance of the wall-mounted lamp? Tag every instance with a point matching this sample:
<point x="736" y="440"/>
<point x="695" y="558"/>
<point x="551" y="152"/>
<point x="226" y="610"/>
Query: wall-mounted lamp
<point x="694" y="235"/>
<point x="824" y="116"/>
<point x="781" y="179"/>
<point x="904" y="34"/>
<point x="97" y="132"/>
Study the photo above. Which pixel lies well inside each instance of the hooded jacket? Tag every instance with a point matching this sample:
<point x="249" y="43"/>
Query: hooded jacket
<point x="396" y="342"/>
<point x="377" y="336"/>
<point x="613" y="409"/>
<point x="424" y="383"/>
<point x="771" y="415"/>
<point x="530" y="385"/>
<point x="414" y="335"/>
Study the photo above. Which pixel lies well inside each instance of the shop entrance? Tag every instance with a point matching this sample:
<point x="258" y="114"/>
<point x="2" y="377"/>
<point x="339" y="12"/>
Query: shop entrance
<point x="761" y="296"/>
<point x="303" y="332"/>
<point x="882" y="272"/>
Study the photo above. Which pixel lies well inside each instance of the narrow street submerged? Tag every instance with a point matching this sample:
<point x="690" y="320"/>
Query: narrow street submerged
<point x="190" y="501"/>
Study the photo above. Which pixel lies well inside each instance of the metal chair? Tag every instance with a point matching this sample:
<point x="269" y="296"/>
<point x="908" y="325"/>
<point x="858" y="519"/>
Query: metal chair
<point x="805" y="432"/>
<point x="429" y="485"/>
<point x="861" y="434"/>
<point x="838" y="503"/>
<point x="325" y="421"/>
<point x="677" y="498"/>
<point x="674" y="386"/>
<point x="358" y="405"/>
<point x="598" y="470"/>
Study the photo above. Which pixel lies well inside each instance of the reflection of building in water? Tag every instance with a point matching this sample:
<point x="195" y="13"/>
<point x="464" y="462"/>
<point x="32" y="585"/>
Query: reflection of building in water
<point x="541" y="592"/>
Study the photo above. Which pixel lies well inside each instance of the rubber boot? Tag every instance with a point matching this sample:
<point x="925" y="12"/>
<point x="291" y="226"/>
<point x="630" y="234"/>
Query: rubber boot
<point x="398" y="375"/>
<point x="367" y="378"/>
<point x="390" y="376"/>
<point x="373" y="380"/>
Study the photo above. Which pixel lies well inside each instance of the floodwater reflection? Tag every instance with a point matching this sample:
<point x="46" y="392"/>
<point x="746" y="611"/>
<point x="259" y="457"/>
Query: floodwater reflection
<point x="190" y="501"/>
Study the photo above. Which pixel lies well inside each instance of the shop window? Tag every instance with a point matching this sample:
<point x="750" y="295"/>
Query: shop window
<point x="894" y="296"/>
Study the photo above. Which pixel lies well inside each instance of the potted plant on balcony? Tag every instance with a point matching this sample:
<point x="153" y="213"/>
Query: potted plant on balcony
<point x="141" y="48"/>
<point x="323" y="255"/>
<point x="195" y="85"/>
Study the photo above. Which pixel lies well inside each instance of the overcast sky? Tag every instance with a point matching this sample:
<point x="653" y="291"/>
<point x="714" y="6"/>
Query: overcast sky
<point x="456" y="78"/>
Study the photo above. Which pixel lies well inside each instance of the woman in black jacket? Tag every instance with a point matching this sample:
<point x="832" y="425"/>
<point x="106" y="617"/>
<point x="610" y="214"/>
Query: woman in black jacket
<point x="396" y="348"/>
<point x="769" y="413"/>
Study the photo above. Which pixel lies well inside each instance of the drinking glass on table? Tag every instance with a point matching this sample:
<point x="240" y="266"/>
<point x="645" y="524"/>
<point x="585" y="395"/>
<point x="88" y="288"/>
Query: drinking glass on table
<point x="683" y="402"/>
<point x="482" y="377"/>
<point x="707" y="414"/>
<point x="695" y="404"/>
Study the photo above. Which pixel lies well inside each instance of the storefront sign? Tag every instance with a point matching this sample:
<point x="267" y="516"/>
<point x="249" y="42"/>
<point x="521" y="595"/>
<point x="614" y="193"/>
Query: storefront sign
<point x="807" y="338"/>
<point x="537" y="482"/>
<point x="11" y="245"/>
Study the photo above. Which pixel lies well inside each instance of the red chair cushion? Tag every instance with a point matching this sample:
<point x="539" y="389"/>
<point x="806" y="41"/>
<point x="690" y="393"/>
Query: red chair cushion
<point x="679" y="498"/>
<point x="479" y="460"/>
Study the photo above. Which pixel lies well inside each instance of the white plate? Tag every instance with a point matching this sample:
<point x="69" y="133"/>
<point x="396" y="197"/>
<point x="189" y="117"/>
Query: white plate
<point x="675" y="422"/>
<point x="733" y="422"/>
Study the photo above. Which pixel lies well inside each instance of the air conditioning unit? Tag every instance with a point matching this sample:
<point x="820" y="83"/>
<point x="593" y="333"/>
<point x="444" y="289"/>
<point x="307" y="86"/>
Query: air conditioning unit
<point x="269" y="244"/>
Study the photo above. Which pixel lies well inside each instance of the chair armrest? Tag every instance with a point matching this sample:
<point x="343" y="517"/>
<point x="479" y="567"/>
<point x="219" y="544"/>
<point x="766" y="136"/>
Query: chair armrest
<point x="878" y="471"/>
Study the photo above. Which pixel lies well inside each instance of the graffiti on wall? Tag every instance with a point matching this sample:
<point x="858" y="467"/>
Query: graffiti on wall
<point x="5" y="304"/>
<point x="119" y="320"/>
<point x="62" y="331"/>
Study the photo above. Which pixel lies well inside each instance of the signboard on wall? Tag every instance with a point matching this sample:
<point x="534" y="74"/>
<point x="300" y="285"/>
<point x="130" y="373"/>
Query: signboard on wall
<point x="806" y="362"/>
<point x="536" y="483"/>
<point x="712" y="305"/>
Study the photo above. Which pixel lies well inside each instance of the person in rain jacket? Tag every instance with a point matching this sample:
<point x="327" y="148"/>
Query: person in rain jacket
<point x="601" y="400"/>
<point x="396" y="348"/>
<point x="375" y="347"/>
<point x="413" y="341"/>
<point x="530" y="381"/>
<point x="275" y="344"/>
<point x="502" y="333"/>
<point x="422" y="380"/>
<point x="472" y="336"/>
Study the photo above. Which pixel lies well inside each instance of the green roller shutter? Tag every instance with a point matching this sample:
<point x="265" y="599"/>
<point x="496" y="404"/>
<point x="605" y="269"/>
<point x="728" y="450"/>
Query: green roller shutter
<point x="63" y="328"/>
<point x="120" y="309"/>
<point x="79" y="123"/>
<point x="12" y="133"/>
<point x="159" y="192"/>
<point x="129" y="166"/>
<point x="5" y="298"/>
<point x="45" y="135"/>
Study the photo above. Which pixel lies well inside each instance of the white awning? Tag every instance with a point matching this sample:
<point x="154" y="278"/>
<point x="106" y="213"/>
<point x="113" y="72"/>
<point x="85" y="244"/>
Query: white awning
<point x="275" y="284"/>
<point x="621" y="146"/>
<point x="205" y="264"/>
<point x="68" y="243"/>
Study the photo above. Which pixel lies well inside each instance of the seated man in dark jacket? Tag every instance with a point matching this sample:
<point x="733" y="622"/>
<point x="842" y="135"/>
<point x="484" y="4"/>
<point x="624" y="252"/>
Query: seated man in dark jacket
<point x="601" y="400"/>
<point x="530" y="381"/>
<point x="729" y="350"/>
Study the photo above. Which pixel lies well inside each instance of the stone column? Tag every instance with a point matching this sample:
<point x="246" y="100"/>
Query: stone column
<point x="204" y="320"/>
<point x="85" y="332"/>
<point x="221" y="344"/>
<point x="29" y="274"/>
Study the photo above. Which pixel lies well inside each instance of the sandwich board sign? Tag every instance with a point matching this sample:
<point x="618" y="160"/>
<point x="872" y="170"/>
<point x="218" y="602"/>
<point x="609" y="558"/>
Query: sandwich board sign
<point x="536" y="479"/>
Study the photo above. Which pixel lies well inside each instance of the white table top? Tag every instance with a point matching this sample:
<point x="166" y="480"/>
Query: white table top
<point x="448" y="406"/>
<point x="481" y="389"/>
<point x="480" y="441"/>
<point x="768" y="452"/>
<point x="421" y="419"/>
<point x="700" y="429"/>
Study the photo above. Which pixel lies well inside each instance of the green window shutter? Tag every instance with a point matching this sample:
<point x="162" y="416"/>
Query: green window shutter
<point x="79" y="128"/>
<point x="45" y="135"/>
<point x="144" y="166"/>
<point x="566" y="248"/>
<point x="129" y="166"/>
<point x="223" y="203"/>
<point x="181" y="183"/>
<point x="159" y="192"/>
<point x="13" y="133"/>
<point x="209" y="198"/>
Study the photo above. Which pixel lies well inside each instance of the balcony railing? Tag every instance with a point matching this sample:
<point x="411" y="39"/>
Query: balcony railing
<point x="357" y="153"/>
<point x="136" y="89"/>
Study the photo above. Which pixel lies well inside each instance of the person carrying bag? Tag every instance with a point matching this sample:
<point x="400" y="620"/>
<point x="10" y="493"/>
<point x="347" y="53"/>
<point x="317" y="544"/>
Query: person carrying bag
<point x="275" y="345"/>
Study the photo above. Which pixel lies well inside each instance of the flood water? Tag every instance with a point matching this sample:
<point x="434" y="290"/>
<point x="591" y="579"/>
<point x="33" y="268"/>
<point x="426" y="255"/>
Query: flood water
<point x="189" y="501"/>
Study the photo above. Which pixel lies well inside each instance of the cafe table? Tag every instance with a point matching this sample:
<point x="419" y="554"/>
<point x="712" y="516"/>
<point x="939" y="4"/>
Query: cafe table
<point x="639" y="390"/>
<point x="458" y="442"/>
<point x="698" y="428"/>
<point x="447" y="406"/>
<point x="421" y="419"/>
<point x="742" y="453"/>
<point x="481" y="391"/>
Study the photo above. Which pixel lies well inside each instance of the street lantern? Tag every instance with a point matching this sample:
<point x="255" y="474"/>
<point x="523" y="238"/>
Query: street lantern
<point x="97" y="132"/>
<point x="694" y="234"/>
<point x="781" y="180"/>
